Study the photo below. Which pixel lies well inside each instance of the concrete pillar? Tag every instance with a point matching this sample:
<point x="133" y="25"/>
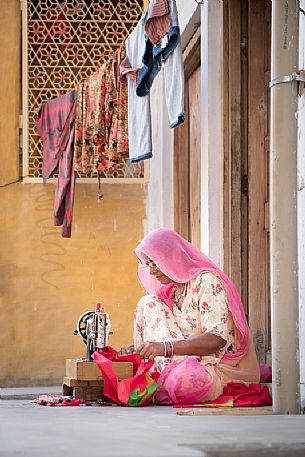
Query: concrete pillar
<point x="283" y="209"/>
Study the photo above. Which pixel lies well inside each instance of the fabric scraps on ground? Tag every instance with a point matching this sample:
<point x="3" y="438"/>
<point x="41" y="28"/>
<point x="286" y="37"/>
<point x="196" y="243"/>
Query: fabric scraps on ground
<point x="237" y="395"/>
<point x="61" y="400"/>
<point x="252" y="395"/>
<point x="224" y="401"/>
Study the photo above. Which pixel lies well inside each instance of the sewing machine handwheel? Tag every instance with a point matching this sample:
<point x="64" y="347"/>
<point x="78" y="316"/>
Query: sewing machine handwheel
<point x="82" y="324"/>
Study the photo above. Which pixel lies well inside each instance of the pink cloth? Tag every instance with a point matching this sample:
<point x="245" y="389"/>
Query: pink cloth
<point x="265" y="373"/>
<point x="128" y="71"/>
<point x="183" y="381"/>
<point x="181" y="261"/>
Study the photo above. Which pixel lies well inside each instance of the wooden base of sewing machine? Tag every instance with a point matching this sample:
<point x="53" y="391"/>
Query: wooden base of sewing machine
<point x="89" y="371"/>
<point x="87" y="390"/>
<point x="84" y="379"/>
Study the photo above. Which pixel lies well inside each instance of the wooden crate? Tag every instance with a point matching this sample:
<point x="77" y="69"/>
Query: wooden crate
<point x="82" y="370"/>
<point x="84" y="379"/>
<point x="86" y="390"/>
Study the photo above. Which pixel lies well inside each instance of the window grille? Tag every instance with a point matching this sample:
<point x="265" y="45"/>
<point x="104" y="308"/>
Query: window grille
<point x="64" y="42"/>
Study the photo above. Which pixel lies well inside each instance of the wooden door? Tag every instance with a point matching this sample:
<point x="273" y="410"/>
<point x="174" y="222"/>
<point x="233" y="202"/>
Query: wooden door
<point x="187" y="151"/>
<point x="258" y="175"/>
<point x="247" y="44"/>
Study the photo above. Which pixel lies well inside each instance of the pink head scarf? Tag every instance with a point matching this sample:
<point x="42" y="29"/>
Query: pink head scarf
<point x="181" y="261"/>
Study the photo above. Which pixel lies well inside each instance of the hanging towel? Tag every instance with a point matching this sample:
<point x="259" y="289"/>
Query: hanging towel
<point x="55" y="124"/>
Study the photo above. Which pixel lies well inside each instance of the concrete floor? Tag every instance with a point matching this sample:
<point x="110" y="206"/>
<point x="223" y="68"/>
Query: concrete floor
<point x="30" y="430"/>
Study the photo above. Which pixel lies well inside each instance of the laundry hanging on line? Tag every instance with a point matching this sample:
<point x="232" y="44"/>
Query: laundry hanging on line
<point x="111" y="121"/>
<point x="84" y="131"/>
<point x="144" y="60"/>
<point x="101" y="133"/>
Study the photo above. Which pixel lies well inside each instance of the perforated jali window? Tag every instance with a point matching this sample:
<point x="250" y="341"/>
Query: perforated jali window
<point x="64" y="42"/>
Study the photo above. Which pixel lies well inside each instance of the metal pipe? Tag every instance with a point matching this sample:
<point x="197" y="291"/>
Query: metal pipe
<point x="283" y="209"/>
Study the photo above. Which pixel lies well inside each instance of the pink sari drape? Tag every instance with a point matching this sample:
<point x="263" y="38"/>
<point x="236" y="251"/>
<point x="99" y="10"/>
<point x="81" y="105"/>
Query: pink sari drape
<point x="181" y="261"/>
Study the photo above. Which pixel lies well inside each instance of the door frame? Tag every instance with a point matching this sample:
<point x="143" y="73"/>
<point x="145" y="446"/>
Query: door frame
<point x="181" y="145"/>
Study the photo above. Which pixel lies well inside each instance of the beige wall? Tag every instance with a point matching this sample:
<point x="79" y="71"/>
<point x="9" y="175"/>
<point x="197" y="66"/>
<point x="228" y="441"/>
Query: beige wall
<point x="46" y="281"/>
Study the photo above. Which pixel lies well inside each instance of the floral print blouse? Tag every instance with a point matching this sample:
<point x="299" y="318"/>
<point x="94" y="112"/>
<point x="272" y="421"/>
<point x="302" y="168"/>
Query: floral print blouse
<point x="204" y="309"/>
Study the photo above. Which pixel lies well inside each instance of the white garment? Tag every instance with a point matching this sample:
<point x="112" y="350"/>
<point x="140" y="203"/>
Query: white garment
<point x="139" y="114"/>
<point x="139" y="117"/>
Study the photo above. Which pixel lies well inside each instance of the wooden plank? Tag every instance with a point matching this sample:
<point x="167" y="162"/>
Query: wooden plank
<point x="181" y="173"/>
<point x="71" y="382"/>
<point x="267" y="161"/>
<point x="195" y="157"/>
<point x="258" y="255"/>
<point x="244" y="154"/>
<point x="235" y="138"/>
<point x="191" y="54"/>
<point x="226" y="185"/>
<point x="88" y="393"/>
<point x="259" y="411"/>
<point x="89" y="371"/>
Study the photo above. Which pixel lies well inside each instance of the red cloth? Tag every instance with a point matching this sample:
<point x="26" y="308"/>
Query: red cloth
<point x="252" y="395"/>
<point x="55" y="124"/>
<point x="119" y="391"/>
<point x="157" y="22"/>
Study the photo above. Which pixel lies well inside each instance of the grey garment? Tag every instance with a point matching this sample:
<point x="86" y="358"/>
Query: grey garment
<point x="139" y="112"/>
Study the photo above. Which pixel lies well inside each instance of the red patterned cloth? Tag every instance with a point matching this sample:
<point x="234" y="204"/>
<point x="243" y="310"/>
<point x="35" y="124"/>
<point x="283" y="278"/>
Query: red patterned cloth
<point x="55" y="124"/>
<point x="157" y="21"/>
<point x="101" y="132"/>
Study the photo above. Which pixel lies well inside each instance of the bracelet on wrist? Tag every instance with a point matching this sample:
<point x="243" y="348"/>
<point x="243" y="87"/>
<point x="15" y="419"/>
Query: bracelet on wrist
<point x="168" y="349"/>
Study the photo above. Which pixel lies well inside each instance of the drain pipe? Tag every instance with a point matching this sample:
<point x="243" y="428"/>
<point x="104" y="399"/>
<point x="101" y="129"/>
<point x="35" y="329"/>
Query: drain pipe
<point x="283" y="206"/>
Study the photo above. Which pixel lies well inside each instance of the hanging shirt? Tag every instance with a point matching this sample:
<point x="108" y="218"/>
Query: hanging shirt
<point x="55" y="124"/>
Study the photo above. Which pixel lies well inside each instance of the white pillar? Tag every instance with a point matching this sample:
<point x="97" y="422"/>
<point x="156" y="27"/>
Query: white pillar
<point x="211" y="128"/>
<point x="301" y="210"/>
<point x="283" y="209"/>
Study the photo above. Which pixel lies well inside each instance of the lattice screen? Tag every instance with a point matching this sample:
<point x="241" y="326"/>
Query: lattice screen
<point x="66" y="41"/>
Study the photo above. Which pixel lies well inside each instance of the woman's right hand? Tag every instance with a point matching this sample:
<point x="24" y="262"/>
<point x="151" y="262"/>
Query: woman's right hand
<point x="126" y="350"/>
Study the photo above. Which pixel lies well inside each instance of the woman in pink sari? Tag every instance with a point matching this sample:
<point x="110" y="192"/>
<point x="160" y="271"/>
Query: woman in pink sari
<point x="191" y="322"/>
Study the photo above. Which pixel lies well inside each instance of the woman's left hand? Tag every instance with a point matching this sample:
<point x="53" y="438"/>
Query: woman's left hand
<point x="150" y="350"/>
